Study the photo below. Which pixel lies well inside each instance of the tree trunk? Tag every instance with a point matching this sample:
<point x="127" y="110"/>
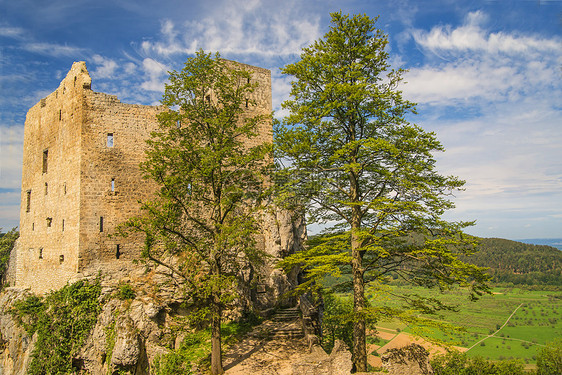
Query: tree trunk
<point x="359" y="326"/>
<point x="216" y="350"/>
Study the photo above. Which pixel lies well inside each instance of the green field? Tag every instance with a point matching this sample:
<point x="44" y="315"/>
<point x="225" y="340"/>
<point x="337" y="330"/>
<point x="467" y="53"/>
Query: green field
<point x="537" y="321"/>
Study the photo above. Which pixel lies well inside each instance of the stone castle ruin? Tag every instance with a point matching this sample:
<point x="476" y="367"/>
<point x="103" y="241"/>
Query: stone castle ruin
<point x="81" y="179"/>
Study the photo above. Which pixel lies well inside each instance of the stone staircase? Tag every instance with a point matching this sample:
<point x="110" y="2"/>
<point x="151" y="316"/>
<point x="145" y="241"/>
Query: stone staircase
<point x="284" y="324"/>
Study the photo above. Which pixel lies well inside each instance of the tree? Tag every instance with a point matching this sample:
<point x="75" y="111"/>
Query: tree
<point x="210" y="179"/>
<point x="7" y="241"/>
<point x="549" y="358"/>
<point x="347" y="153"/>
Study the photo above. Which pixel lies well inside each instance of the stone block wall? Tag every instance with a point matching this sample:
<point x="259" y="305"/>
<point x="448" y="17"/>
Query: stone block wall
<point x="81" y="177"/>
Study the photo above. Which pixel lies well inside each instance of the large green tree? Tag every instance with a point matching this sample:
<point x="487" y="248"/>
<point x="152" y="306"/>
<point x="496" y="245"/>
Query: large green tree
<point x="348" y="154"/>
<point x="210" y="178"/>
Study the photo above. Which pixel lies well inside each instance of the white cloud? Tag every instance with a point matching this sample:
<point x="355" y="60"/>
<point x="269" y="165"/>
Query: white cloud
<point x="156" y="74"/>
<point x="52" y="49"/>
<point x="105" y="67"/>
<point x="11" y="151"/>
<point x="240" y="27"/>
<point x="493" y="98"/>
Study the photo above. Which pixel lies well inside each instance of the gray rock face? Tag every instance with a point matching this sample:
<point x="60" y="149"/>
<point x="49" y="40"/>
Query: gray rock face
<point x="15" y="345"/>
<point x="318" y="362"/>
<point x="409" y="360"/>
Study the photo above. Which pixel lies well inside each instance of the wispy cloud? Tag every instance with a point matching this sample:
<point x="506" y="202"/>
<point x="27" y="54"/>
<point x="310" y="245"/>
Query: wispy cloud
<point x="240" y="27"/>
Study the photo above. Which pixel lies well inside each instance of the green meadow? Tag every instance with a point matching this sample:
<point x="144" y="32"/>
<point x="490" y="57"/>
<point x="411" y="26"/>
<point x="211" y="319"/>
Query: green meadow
<point x="537" y="320"/>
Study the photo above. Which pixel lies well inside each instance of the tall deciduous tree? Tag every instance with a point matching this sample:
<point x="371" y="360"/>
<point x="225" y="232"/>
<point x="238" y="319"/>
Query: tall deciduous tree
<point x="347" y="152"/>
<point x="210" y="179"/>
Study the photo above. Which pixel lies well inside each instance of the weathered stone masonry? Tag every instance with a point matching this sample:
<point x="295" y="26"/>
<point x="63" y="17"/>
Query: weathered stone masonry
<point x="81" y="178"/>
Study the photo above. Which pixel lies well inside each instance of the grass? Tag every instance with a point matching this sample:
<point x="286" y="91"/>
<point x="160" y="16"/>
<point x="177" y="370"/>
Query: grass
<point x="537" y="321"/>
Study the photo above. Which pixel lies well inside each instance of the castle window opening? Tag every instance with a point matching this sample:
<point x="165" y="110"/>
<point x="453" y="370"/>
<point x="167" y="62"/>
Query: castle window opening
<point x="112" y="184"/>
<point x="61" y="258"/>
<point x="46" y="188"/>
<point x="117" y="252"/>
<point x="63" y="225"/>
<point x="45" y="160"/>
<point x="246" y="103"/>
<point x="41" y="253"/>
<point x="28" y="204"/>
<point x="101" y="223"/>
<point x="32" y="226"/>
<point x="49" y="222"/>
<point x="64" y="188"/>
<point x="60" y="114"/>
<point x="109" y="139"/>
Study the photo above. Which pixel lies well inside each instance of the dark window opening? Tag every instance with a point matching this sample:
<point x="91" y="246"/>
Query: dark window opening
<point x="64" y="188"/>
<point x="63" y="225"/>
<point x="41" y="253"/>
<point x="49" y="222"/>
<point x="246" y="103"/>
<point x="32" y="226"/>
<point x="112" y="184"/>
<point x="248" y="80"/>
<point x="74" y="81"/>
<point x="109" y="139"/>
<point x="46" y="188"/>
<point x="101" y="223"/>
<point x="60" y="114"/>
<point x="45" y="159"/>
<point x="117" y="252"/>
<point x="61" y="258"/>
<point x="28" y="205"/>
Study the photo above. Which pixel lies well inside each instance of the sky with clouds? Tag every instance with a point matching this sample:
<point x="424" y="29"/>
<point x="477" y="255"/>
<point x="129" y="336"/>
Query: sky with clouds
<point x="487" y="77"/>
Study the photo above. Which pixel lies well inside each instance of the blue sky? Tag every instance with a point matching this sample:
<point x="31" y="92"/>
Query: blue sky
<point x="486" y="76"/>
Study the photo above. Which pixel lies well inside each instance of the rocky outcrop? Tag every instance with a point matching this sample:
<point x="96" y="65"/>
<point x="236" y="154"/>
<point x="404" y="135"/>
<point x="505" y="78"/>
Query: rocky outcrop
<point x="318" y="362"/>
<point x="408" y="360"/>
<point x="15" y="345"/>
<point x="131" y="333"/>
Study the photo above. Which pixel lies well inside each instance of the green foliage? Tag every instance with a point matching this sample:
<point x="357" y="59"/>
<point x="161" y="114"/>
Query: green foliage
<point x="211" y="177"/>
<point x="519" y="263"/>
<point x="347" y="154"/>
<point x="455" y="363"/>
<point x="194" y="348"/>
<point x="549" y="359"/>
<point x="125" y="292"/>
<point x="337" y="321"/>
<point x="7" y="241"/>
<point x="62" y="320"/>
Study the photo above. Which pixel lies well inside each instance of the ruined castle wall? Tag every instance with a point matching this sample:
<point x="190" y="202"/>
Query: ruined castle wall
<point x="49" y="214"/>
<point x="113" y="142"/>
<point x="81" y="178"/>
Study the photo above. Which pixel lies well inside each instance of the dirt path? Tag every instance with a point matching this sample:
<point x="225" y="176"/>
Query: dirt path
<point x="499" y="329"/>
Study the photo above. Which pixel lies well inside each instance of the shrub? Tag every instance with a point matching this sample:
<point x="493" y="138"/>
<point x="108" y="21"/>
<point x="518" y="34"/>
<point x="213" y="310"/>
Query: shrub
<point x="125" y="292"/>
<point x="62" y="320"/>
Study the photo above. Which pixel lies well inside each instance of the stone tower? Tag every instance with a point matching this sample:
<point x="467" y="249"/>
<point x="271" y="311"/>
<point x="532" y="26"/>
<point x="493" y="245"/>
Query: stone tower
<point x="81" y="178"/>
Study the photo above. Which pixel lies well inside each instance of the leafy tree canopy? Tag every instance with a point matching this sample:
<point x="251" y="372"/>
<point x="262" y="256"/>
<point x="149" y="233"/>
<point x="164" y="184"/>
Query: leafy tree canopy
<point x="347" y="154"/>
<point x="211" y="174"/>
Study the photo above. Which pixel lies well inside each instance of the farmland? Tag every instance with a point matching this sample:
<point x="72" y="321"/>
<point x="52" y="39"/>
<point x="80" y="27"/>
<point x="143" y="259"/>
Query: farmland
<point x="511" y="323"/>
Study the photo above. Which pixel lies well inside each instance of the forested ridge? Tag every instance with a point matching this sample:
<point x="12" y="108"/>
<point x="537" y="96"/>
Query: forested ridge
<point x="519" y="263"/>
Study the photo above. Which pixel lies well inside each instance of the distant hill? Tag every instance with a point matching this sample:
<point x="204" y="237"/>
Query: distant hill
<point x="554" y="242"/>
<point x="520" y="263"/>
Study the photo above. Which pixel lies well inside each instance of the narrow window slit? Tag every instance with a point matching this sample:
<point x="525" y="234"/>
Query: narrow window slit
<point x="28" y="205"/>
<point x="101" y="223"/>
<point x="45" y="160"/>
